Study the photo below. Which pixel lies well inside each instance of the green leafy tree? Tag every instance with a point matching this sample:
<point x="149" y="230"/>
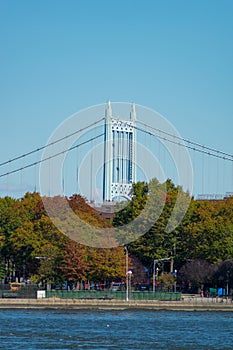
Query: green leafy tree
<point x="12" y="217"/>
<point x="48" y="263"/>
<point x="207" y="231"/>
<point x="106" y="265"/>
<point x="134" y="207"/>
<point x="23" y="242"/>
<point x="156" y="243"/>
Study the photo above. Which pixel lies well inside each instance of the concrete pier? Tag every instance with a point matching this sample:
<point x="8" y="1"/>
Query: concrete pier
<point x="194" y="304"/>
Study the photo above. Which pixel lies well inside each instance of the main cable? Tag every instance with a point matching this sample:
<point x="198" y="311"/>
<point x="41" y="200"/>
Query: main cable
<point x="53" y="156"/>
<point x="185" y="140"/>
<point x="201" y="148"/>
<point x="50" y="144"/>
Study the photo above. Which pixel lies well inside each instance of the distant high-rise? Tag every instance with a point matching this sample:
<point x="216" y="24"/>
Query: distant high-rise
<point x="119" y="155"/>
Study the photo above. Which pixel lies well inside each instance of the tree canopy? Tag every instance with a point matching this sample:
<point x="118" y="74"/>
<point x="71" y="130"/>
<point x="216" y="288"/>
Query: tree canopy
<point x="32" y="246"/>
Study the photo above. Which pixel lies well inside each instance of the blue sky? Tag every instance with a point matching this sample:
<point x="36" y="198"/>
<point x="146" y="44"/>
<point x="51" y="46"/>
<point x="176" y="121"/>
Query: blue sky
<point x="57" y="57"/>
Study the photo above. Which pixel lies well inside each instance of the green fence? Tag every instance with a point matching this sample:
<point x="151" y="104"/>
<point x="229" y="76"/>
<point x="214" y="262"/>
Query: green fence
<point x="25" y="292"/>
<point x="109" y="295"/>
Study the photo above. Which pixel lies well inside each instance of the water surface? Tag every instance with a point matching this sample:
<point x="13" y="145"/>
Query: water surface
<point x="79" y="329"/>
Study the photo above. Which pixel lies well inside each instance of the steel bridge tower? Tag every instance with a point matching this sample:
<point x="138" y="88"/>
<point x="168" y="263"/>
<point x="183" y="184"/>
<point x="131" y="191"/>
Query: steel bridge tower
<point x="119" y="155"/>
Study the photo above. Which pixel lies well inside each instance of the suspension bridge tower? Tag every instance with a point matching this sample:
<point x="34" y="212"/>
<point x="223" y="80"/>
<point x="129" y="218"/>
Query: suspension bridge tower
<point x="119" y="155"/>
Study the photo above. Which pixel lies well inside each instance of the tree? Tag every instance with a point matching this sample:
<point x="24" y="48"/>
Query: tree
<point x="48" y="263"/>
<point x="85" y="212"/>
<point x="197" y="273"/>
<point x="105" y="265"/>
<point x="207" y="231"/>
<point x="166" y="281"/>
<point x="33" y="205"/>
<point x="23" y="242"/>
<point x="156" y="243"/>
<point x="134" y="207"/>
<point x="2" y="270"/>
<point x="74" y="266"/>
<point x="223" y="276"/>
<point x="12" y="217"/>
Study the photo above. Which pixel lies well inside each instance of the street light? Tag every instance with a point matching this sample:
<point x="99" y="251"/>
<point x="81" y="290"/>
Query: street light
<point x="175" y="274"/>
<point x="128" y="285"/>
<point x="126" y="272"/>
<point x="227" y="283"/>
<point x="154" y="269"/>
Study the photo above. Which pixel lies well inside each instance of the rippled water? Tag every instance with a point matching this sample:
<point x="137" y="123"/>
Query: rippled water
<point x="78" y="329"/>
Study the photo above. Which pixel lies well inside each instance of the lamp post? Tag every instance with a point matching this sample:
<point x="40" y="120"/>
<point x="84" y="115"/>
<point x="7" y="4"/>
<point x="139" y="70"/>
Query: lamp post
<point x="126" y="273"/>
<point x="154" y="269"/>
<point x="227" y="291"/>
<point x="128" y="286"/>
<point x="175" y="274"/>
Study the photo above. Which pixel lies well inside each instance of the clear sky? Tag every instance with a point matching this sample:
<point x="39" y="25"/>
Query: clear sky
<point x="57" y="57"/>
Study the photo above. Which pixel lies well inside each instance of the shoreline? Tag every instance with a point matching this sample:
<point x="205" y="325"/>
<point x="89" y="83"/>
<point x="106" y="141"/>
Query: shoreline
<point x="74" y="304"/>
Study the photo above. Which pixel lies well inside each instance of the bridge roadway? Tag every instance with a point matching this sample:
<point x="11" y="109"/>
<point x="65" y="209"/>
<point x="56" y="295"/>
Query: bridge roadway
<point x="186" y="304"/>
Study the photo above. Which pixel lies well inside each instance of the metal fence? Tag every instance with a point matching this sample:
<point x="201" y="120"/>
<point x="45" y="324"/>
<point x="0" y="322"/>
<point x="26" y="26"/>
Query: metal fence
<point x="109" y="295"/>
<point x="25" y="292"/>
<point x="30" y="292"/>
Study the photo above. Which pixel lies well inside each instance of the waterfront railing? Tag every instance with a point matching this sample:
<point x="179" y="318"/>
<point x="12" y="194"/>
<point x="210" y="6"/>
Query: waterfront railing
<point x="110" y="295"/>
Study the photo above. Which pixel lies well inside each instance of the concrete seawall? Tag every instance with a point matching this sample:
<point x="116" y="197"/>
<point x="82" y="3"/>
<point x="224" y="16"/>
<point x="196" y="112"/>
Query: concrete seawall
<point x="74" y="304"/>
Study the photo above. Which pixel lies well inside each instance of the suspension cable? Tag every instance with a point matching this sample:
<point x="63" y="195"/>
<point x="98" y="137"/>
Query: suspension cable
<point x="53" y="156"/>
<point x="50" y="144"/>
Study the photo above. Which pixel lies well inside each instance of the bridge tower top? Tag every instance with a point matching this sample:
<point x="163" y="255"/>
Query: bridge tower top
<point x="119" y="155"/>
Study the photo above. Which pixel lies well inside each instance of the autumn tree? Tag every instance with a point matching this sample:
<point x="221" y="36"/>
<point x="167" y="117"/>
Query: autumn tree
<point x="74" y="265"/>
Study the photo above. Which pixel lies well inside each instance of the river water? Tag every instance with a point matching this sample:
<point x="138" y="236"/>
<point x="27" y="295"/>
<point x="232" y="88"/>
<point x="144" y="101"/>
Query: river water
<point x="93" y="329"/>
